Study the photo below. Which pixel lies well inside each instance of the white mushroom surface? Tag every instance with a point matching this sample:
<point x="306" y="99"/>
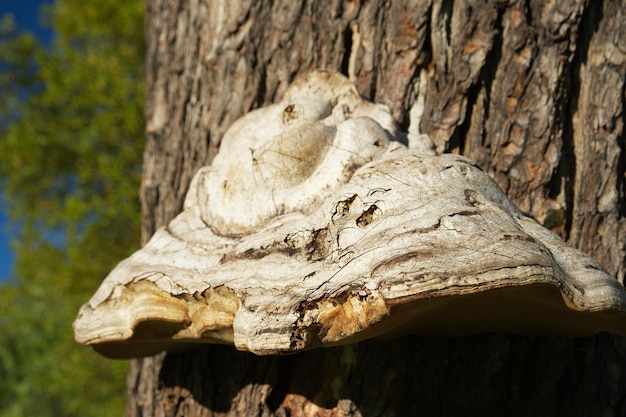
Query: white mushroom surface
<point x="313" y="227"/>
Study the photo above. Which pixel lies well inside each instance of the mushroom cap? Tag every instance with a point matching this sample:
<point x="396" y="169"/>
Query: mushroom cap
<point x="314" y="228"/>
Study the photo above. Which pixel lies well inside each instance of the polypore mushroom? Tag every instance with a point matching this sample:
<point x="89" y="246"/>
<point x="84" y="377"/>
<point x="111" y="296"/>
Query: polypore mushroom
<point x="314" y="228"/>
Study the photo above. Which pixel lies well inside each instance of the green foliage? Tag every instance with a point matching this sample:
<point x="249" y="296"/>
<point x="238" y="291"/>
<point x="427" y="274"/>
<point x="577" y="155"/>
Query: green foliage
<point x="71" y="140"/>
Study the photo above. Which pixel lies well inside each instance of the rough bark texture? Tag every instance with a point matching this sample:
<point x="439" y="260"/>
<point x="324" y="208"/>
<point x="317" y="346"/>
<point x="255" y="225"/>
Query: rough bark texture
<point x="533" y="91"/>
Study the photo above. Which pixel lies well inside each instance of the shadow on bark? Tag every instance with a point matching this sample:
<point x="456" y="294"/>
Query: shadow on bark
<point x="494" y="374"/>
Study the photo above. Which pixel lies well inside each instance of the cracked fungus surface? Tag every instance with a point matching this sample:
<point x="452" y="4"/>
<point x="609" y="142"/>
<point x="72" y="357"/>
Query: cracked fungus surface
<point x="316" y="227"/>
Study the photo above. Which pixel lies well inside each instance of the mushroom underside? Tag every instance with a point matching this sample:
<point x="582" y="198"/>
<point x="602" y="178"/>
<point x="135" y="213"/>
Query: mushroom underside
<point x="530" y="310"/>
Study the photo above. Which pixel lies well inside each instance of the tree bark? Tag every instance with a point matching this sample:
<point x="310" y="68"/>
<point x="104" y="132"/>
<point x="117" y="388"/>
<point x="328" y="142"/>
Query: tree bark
<point x="533" y="91"/>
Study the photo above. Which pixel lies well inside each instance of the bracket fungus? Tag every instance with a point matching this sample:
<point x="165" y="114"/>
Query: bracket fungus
<point x="315" y="227"/>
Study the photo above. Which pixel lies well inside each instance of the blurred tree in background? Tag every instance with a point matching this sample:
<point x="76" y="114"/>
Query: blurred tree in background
<point x="71" y="141"/>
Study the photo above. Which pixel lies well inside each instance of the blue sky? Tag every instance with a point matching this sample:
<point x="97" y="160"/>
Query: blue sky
<point x="26" y="14"/>
<point x="6" y="256"/>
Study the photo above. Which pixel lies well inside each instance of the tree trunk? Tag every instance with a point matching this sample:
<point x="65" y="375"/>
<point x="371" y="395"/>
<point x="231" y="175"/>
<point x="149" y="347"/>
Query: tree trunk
<point x="533" y="91"/>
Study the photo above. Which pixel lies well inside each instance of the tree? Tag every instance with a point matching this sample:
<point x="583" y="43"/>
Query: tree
<point x="532" y="91"/>
<point x="71" y="132"/>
